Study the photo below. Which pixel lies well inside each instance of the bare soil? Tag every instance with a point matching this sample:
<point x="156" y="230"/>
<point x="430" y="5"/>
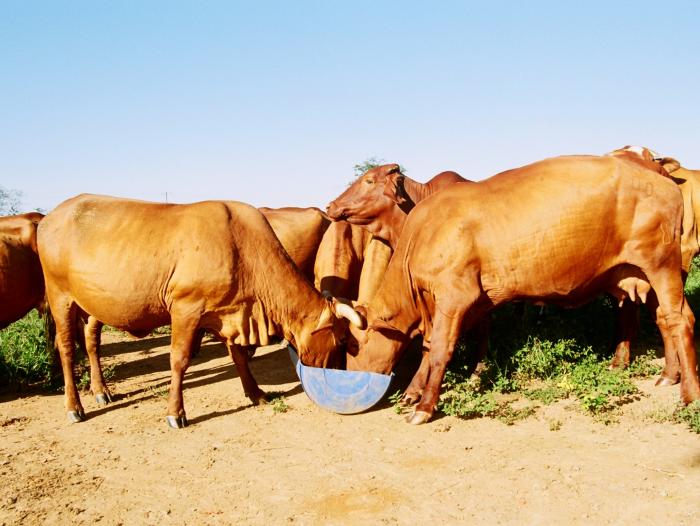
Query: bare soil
<point x="252" y="465"/>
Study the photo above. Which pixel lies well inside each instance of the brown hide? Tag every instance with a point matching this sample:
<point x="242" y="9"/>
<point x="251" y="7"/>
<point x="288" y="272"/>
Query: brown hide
<point x="213" y="265"/>
<point x="647" y="158"/>
<point x="300" y="231"/>
<point x="380" y="199"/>
<point x="689" y="183"/>
<point x="349" y="263"/>
<point x="561" y="231"/>
<point x="21" y="280"/>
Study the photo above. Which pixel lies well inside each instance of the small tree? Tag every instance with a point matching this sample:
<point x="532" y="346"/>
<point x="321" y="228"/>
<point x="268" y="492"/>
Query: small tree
<point x="10" y="201"/>
<point x="369" y="163"/>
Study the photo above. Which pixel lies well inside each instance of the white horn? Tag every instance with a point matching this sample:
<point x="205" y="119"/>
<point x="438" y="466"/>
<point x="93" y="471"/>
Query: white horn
<point x="350" y="314"/>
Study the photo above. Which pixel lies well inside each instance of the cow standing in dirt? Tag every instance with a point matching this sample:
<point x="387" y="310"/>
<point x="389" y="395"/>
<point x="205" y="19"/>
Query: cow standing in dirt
<point x="213" y="265"/>
<point x="380" y="201"/>
<point x="559" y="231"/>
<point x="21" y="280"/>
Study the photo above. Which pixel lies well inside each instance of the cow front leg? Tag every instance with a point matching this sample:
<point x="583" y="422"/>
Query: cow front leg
<point x="414" y="391"/>
<point x="184" y="333"/>
<point x="239" y="355"/>
<point x="446" y="328"/>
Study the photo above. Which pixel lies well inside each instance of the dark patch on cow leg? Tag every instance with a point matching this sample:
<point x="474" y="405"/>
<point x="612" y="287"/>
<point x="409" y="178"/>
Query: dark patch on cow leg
<point x="239" y="355"/>
<point x="626" y="327"/>
<point x="197" y="343"/>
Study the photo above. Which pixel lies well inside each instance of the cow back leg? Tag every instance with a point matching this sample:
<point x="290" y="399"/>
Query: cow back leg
<point x="481" y="332"/>
<point x="240" y="357"/>
<point x="65" y="315"/>
<point x="184" y="333"/>
<point x="675" y="321"/>
<point x="98" y="387"/>
<point x="626" y="327"/>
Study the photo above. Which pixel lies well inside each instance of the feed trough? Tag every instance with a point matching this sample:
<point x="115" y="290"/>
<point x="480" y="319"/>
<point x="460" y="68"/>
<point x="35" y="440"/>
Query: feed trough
<point x="344" y="392"/>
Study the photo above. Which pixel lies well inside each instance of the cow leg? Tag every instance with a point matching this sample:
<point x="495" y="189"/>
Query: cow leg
<point x="446" y="328"/>
<point x="184" y="334"/>
<point x="481" y="332"/>
<point x="239" y="355"/>
<point x="414" y="391"/>
<point x="93" y="332"/>
<point x="626" y="326"/>
<point x="676" y="321"/>
<point x="65" y="314"/>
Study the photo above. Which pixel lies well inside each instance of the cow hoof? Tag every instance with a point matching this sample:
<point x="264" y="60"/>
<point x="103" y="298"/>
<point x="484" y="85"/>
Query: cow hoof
<point x="103" y="399"/>
<point x="76" y="416"/>
<point x="664" y="381"/>
<point x="418" y="417"/>
<point x="177" y="422"/>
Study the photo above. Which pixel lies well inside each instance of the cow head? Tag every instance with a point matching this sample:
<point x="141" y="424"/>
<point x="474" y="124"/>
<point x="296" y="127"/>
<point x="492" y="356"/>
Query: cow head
<point x="371" y="199"/>
<point x="647" y="158"/>
<point x="322" y="342"/>
<point x="376" y="346"/>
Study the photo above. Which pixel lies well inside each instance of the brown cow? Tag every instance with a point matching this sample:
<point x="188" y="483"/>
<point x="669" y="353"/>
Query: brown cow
<point x="380" y="201"/>
<point x="300" y="231"/>
<point x="213" y="265"/>
<point x="561" y="231"/>
<point x="689" y="183"/>
<point x="21" y="281"/>
<point x="22" y="289"/>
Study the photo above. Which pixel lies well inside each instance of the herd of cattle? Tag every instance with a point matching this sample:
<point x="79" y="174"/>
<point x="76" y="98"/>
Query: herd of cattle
<point x="392" y="261"/>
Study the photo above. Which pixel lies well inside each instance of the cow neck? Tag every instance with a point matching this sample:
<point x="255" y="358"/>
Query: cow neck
<point x="415" y="190"/>
<point x="392" y="225"/>
<point x="391" y="302"/>
<point x="296" y="307"/>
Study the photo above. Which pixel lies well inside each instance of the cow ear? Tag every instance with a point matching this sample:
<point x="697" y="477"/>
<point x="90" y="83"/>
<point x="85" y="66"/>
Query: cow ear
<point x="669" y="164"/>
<point x="393" y="187"/>
<point x="387" y="329"/>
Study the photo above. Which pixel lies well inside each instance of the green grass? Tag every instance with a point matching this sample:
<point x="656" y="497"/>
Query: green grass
<point x="278" y="402"/>
<point x="26" y="358"/>
<point x="545" y="355"/>
<point x="689" y="415"/>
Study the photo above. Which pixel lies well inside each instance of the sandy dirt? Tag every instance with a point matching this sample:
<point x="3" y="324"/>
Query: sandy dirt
<point x="251" y="465"/>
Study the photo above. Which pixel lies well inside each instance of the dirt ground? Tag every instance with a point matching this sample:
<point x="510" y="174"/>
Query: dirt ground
<point x="251" y="465"/>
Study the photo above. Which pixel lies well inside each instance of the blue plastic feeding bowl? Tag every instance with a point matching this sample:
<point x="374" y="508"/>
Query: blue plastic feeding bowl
<point x="344" y="392"/>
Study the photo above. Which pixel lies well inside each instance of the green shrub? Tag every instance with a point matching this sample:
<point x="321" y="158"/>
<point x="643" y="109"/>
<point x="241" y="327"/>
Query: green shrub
<point x="26" y="357"/>
<point x="689" y="415"/>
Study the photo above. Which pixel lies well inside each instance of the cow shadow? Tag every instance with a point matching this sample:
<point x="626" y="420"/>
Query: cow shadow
<point x="269" y="369"/>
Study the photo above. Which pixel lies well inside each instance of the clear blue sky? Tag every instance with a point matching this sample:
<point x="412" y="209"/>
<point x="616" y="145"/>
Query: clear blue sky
<point x="272" y="103"/>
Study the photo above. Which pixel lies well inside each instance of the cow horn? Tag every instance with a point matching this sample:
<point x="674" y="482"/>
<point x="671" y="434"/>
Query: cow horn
<point x="350" y="314"/>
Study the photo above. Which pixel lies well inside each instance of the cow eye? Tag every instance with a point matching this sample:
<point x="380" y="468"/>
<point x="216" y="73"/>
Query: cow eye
<point x="369" y="181"/>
